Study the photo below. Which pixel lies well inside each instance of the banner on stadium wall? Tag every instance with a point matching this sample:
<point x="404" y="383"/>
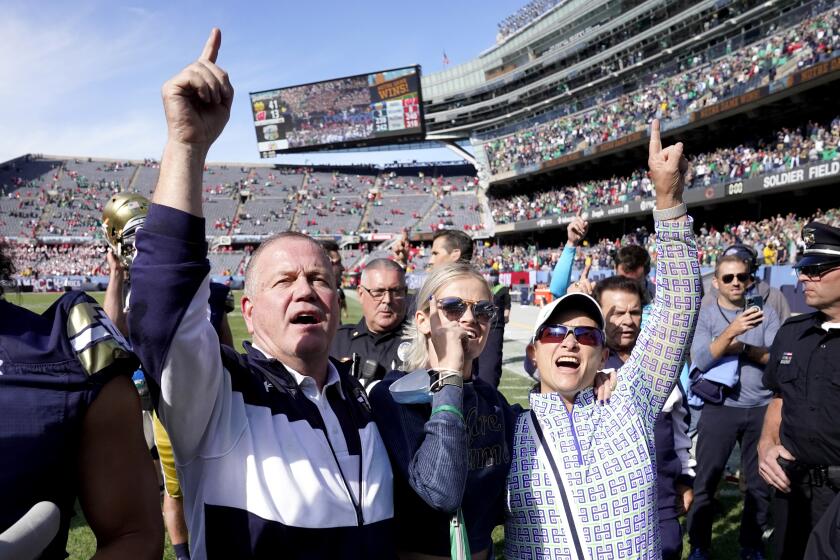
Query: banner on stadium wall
<point x="817" y="172"/>
<point x="61" y="283"/>
<point x="378" y="236"/>
<point x="812" y="174"/>
<point x="730" y="104"/>
<point x="814" y="72"/>
<point x="59" y="239"/>
<point x="247" y="238"/>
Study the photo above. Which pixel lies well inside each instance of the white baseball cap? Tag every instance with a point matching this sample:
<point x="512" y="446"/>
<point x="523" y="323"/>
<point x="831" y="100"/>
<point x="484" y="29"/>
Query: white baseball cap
<point x="576" y="300"/>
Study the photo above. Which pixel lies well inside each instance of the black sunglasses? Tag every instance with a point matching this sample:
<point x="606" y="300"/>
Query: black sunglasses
<point x="555" y="334"/>
<point x="817" y="271"/>
<point x="455" y="307"/>
<point x="741" y="276"/>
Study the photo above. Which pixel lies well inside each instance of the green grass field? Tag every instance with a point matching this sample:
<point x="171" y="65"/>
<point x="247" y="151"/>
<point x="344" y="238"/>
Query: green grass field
<point x="82" y="544"/>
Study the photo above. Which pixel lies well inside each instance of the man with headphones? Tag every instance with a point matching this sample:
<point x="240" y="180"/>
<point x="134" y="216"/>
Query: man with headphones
<point x="772" y="297"/>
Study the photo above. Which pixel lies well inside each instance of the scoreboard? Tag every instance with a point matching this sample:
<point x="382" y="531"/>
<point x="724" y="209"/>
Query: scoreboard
<point x="363" y="110"/>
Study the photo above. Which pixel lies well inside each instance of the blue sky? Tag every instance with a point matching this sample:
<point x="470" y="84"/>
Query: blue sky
<point x="83" y="78"/>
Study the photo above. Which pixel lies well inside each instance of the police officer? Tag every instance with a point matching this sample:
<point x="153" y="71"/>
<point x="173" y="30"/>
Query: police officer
<point x="374" y="344"/>
<point x="490" y="361"/>
<point x="799" y="449"/>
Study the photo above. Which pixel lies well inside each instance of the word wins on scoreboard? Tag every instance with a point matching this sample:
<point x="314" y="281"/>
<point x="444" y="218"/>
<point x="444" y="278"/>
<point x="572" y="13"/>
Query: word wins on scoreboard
<point x="365" y="110"/>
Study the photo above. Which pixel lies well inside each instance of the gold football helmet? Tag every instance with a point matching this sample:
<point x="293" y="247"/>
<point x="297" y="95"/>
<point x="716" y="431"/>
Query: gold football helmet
<point x="124" y="214"/>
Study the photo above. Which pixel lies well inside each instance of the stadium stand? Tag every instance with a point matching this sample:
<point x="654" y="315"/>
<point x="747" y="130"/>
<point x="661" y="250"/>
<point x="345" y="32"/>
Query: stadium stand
<point x="782" y="233"/>
<point x="396" y="213"/>
<point x="39" y="260"/>
<point x="227" y="263"/>
<point x="146" y="178"/>
<point x="320" y="213"/>
<point x="524" y="16"/>
<point x="265" y="216"/>
<point x="223" y="181"/>
<point x="219" y="215"/>
<point x="28" y="176"/>
<point x="769" y="59"/>
<point x="455" y="210"/>
<point x="785" y="150"/>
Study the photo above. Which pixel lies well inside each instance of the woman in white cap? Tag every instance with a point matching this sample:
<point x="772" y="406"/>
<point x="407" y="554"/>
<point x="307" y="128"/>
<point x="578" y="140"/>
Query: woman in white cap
<point x="582" y="482"/>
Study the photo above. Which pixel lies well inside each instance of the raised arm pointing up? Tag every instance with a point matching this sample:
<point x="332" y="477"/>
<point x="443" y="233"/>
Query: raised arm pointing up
<point x="197" y="104"/>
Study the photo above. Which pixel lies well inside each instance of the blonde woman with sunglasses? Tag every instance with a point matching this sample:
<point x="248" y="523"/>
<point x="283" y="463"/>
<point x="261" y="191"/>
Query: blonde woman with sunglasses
<point x="449" y="439"/>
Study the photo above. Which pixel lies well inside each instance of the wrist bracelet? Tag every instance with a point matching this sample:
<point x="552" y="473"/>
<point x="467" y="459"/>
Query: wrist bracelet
<point x="670" y="213"/>
<point x="442" y="377"/>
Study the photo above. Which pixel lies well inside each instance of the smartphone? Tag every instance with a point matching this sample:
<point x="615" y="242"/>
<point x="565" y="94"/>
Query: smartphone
<point x="755" y="301"/>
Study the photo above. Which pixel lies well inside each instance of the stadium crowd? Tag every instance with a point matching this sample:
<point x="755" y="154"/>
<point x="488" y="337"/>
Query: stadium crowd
<point x="523" y="17"/>
<point x="40" y="261"/>
<point x="329" y="96"/>
<point x="785" y="150"/>
<point x="388" y="438"/>
<point x="333" y="111"/>
<point x="670" y="97"/>
<point x="777" y="240"/>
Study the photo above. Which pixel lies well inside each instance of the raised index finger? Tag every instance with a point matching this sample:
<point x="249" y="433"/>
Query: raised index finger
<point x="586" y="267"/>
<point x="211" y="47"/>
<point x="655" y="139"/>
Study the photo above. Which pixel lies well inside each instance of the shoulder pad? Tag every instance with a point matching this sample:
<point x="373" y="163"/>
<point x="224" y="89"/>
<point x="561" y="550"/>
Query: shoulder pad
<point x="94" y="338"/>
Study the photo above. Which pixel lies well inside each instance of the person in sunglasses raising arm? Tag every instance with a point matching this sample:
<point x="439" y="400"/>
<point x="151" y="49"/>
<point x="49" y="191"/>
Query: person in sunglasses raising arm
<point x="582" y="482"/>
<point x="799" y="449"/>
<point x="448" y="439"/>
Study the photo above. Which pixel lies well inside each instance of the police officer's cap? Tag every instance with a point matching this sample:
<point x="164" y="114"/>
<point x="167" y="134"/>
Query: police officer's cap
<point x="822" y="245"/>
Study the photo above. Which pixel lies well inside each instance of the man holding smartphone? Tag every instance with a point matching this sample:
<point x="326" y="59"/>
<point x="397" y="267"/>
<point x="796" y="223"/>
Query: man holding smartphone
<point x="770" y="296"/>
<point x="737" y="332"/>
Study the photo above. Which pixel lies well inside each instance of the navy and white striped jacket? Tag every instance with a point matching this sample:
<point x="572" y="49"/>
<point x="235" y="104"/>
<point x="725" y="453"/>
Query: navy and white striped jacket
<point x="258" y="467"/>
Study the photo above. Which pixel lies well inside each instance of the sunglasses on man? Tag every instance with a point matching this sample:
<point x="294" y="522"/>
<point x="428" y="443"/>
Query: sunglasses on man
<point x="741" y="276"/>
<point x="555" y="334"/>
<point x="454" y="307"/>
<point x="817" y="271"/>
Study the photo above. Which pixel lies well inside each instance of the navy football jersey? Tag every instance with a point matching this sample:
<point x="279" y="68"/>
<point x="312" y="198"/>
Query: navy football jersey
<point x="52" y="366"/>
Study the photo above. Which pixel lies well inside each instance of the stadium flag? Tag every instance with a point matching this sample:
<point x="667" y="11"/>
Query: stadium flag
<point x="445" y="59"/>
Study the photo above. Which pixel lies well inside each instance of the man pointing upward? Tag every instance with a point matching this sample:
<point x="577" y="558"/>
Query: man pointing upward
<point x="276" y="448"/>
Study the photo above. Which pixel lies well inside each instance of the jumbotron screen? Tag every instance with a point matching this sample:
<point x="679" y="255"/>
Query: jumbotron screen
<point x="369" y="109"/>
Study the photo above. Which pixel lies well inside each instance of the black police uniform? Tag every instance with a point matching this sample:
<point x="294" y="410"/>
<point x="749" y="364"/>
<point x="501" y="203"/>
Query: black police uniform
<point x="824" y="543"/>
<point x="376" y="353"/>
<point x="803" y="370"/>
<point x="490" y="359"/>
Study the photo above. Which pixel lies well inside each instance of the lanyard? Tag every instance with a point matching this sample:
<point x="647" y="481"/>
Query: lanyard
<point x="560" y="486"/>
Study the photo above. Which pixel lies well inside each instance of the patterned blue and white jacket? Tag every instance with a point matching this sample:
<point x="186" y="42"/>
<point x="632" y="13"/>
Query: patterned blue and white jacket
<point x="604" y="455"/>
